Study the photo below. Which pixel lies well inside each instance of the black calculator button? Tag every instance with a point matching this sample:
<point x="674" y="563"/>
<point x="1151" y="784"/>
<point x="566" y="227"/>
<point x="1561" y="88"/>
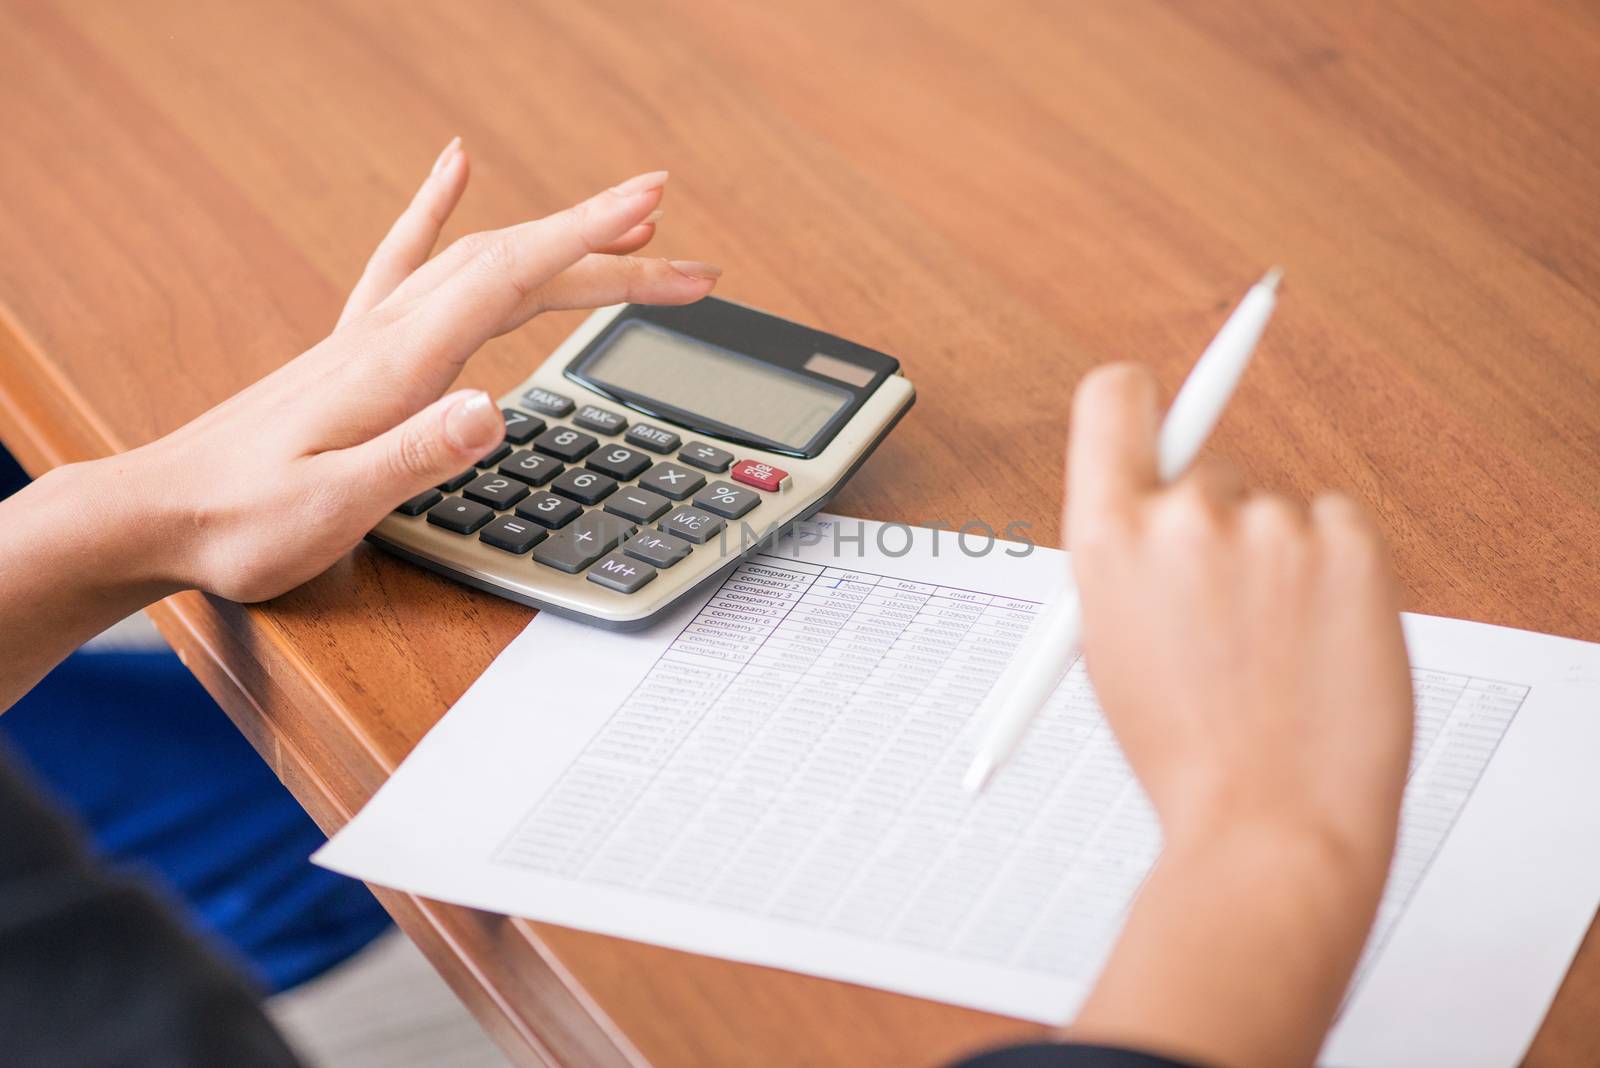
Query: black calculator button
<point x="639" y="505"/>
<point x="699" y="527"/>
<point x="564" y="443"/>
<point x="621" y="573"/>
<point x="546" y="403"/>
<point x="495" y="455"/>
<point x="512" y="534"/>
<point x="455" y="482"/>
<point x="421" y="502"/>
<point x="651" y="437"/>
<point x="548" y="510"/>
<point x="497" y="491"/>
<point x="588" y="487"/>
<point x="591" y="418"/>
<point x="671" y="479"/>
<point x="727" y="500"/>
<point x="658" y="548"/>
<point x="618" y="462"/>
<point x="520" y="426"/>
<point x="463" y="517"/>
<point x="706" y="457"/>
<point x="582" y="542"/>
<point x="528" y="466"/>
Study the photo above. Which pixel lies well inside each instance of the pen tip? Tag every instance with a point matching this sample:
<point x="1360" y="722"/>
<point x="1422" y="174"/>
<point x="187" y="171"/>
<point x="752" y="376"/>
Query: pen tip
<point x="978" y="775"/>
<point x="1271" y="279"/>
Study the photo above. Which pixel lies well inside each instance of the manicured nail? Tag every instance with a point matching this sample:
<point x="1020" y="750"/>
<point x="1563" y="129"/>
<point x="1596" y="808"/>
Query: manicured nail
<point x="449" y="151"/>
<point x="641" y="183"/>
<point x="655" y="216"/>
<point x="695" y="269"/>
<point x="473" y="425"/>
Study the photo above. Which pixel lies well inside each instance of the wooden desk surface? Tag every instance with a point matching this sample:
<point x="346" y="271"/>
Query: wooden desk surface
<point x="1001" y="195"/>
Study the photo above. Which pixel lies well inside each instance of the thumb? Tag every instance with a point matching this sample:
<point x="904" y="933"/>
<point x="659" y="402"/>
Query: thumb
<point x="444" y="439"/>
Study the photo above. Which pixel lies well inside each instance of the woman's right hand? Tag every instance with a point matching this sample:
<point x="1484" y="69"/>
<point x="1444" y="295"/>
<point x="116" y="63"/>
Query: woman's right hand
<point x="1247" y="652"/>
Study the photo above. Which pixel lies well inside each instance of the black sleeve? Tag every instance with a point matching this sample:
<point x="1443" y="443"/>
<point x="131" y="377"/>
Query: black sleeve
<point x="94" y="970"/>
<point x="1067" y="1055"/>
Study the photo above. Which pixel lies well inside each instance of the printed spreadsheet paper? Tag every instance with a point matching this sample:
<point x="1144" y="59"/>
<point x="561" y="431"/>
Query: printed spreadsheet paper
<point x="773" y="775"/>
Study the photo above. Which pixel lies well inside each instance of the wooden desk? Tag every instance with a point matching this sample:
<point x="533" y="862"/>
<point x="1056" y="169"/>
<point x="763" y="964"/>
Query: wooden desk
<point x="995" y="193"/>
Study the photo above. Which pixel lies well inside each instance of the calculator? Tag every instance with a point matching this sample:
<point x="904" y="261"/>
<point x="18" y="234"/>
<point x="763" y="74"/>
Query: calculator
<point x="649" y="454"/>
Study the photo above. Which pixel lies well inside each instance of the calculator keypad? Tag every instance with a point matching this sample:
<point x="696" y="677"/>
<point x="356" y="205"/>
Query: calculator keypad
<point x="699" y="527"/>
<point x="421" y="502"/>
<point x="651" y="437"/>
<point x="727" y="500"/>
<point x="599" y="420"/>
<point x="546" y="403"/>
<point x="497" y="491"/>
<point x="520" y="426"/>
<point x="657" y="547"/>
<point x="706" y="457"/>
<point x="618" y="462"/>
<point x="512" y="534"/>
<point x="495" y="455"/>
<point x="460" y="516"/>
<point x="548" y="510"/>
<point x="672" y="480"/>
<point x="583" y="486"/>
<point x="608" y="541"/>
<point x="528" y="466"/>
<point x="583" y="541"/>
<point x="761" y="476"/>
<point x="564" y="443"/>
<point x="621" y="573"/>
<point x="639" y="505"/>
<point x="455" y="482"/>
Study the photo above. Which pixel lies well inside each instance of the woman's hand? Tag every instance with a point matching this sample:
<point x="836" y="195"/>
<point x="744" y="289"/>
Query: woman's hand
<point x="269" y="488"/>
<point x="1248" y="654"/>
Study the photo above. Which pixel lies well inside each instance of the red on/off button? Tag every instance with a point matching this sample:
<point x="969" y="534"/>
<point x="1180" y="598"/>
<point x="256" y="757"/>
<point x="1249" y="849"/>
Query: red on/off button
<point x="761" y="476"/>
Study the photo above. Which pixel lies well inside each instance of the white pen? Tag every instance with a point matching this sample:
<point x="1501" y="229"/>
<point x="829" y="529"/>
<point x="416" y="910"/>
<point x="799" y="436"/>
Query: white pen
<point x="1051" y="645"/>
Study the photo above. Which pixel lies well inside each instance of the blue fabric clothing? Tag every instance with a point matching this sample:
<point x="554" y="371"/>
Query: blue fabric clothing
<point x="164" y="784"/>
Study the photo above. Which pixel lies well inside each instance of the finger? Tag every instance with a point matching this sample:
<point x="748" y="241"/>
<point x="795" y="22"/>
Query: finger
<point x="1215" y="480"/>
<point x="1352" y="539"/>
<point x="634" y="239"/>
<point x="1272" y="515"/>
<point x="443" y="439"/>
<point x="1339" y="512"/>
<point x="598" y="280"/>
<point x="496" y="290"/>
<point x="1111" y="457"/>
<point x="430" y="275"/>
<point x="409" y="241"/>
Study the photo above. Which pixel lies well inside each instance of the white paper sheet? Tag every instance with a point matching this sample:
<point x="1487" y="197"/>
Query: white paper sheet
<point x="772" y="775"/>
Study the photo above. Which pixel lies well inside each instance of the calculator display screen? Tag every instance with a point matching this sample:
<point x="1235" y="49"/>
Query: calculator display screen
<point x="737" y="391"/>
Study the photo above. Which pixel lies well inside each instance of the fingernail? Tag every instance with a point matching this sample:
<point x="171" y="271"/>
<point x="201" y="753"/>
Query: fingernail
<point x="655" y="216"/>
<point x="472" y="424"/>
<point x="641" y="183"/>
<point x="449" y="150"/>
<point x="695" y="269"/>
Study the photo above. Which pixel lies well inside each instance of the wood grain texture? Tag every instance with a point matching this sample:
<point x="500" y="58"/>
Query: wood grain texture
<point x="998" y="194"/>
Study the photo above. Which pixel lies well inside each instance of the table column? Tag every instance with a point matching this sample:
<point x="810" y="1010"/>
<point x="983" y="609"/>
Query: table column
<point x="696" y="730"/>
<point x="928" y="654"/>
<point x="781" y="711"/>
